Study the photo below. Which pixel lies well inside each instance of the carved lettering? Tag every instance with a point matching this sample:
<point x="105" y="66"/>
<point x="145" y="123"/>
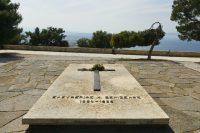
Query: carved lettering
<point x="91" y="99"/>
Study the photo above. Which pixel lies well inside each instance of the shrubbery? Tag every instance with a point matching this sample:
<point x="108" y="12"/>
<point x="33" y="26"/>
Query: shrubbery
<point x="126" y="39"/>
<point x="47" y="37"/>
<point x="84" y="42"/>
<point x="101" y="39"/>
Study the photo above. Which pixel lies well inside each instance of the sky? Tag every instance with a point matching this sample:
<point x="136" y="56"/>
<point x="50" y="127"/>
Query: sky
<point x="87" y="16"/>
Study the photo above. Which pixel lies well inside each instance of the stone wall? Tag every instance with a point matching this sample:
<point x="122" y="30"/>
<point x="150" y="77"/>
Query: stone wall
<point x="100" y="50"/>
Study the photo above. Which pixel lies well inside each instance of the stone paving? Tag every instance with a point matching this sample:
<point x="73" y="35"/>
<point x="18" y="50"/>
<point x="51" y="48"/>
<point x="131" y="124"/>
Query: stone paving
<point x="173" y="86"/>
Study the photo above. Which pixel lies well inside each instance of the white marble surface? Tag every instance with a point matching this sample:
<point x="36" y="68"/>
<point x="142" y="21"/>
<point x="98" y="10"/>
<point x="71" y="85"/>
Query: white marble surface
<point x="122" y="100"/>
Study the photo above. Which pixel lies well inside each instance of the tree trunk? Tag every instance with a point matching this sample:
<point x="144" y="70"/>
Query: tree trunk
<point x="150" y="51"/>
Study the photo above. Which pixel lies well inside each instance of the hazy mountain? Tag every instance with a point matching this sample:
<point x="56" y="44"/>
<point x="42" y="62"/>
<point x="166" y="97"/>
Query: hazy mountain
<point x="72" y="37"/>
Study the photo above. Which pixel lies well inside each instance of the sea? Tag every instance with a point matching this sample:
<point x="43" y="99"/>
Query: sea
<point x="170" y="42"/>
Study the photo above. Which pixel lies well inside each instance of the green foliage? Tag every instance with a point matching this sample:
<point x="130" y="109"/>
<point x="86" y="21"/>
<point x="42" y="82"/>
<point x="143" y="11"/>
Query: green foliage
<point x="98" y="67"/>
<point x="35" y="37"/>
<point x="9" y="20"/>
<point x="126" y="39"/>
<point x="48" y="37"/>
<point x="136" y="39"/>
<point x="84" y="42"/>
<point x="187" y="14"/>
<point x="19" y="39"/>
<point x="101" y="39"/>
<point x="121" y="40"/>
<point x="151" y="37"/>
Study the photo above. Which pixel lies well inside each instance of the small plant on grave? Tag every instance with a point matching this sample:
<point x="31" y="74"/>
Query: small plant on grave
<point x="98" y="67"/>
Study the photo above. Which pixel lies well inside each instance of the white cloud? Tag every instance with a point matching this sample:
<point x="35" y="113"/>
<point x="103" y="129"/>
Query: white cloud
<point x="92" y="15"/>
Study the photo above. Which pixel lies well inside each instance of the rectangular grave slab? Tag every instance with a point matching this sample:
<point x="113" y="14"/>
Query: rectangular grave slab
<point x="71" y="100"/>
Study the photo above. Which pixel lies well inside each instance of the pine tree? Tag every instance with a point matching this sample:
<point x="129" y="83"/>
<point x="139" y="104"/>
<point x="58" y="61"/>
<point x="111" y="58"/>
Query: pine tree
<point x="9" y="20"/>
<point x="187" y="14"/>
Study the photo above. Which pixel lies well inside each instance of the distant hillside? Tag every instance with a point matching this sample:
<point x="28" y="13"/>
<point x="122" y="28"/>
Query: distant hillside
<point x="72" y="37"/>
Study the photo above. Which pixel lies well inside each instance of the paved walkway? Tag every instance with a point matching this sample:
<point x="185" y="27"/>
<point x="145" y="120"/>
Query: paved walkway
<point x="173" y="86"/>
<point x="192" y="65"/>
<point x="187" y="59"/>
<point x="1" y="64"/>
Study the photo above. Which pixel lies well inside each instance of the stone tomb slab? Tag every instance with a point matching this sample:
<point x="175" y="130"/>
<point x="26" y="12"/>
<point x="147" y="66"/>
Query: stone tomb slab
<point x="71" y="100"/>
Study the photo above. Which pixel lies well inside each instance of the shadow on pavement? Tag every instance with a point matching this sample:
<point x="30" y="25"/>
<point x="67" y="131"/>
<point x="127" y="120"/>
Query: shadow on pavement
<point x="100" y="129"/>
<point x="6" y="57"/>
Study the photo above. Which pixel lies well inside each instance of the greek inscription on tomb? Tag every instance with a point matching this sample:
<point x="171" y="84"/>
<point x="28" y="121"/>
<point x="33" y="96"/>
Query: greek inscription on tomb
<point x="92" y="99"/>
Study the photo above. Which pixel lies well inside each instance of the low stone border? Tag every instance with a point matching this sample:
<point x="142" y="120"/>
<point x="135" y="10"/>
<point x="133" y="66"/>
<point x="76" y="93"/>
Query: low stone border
<point x="100" y="50"/>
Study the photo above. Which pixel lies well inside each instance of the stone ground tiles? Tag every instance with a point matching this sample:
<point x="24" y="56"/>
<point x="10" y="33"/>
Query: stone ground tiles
<point x="173" y="86"/>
